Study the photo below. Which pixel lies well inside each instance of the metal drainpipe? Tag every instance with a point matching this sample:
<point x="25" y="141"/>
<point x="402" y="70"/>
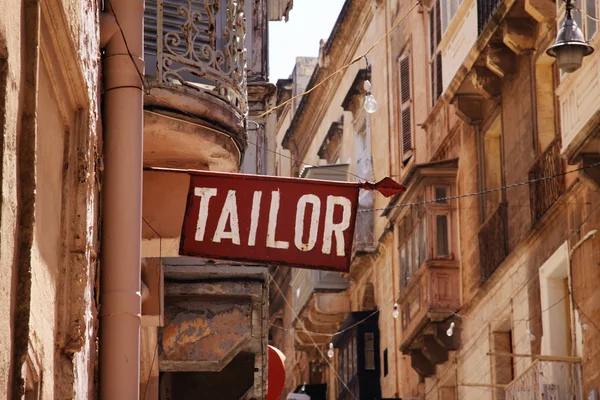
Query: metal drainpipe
<point x="120" y="298"/>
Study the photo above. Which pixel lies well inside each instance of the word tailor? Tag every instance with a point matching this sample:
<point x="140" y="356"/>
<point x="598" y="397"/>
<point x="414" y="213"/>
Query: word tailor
<point x="308" y="212"/>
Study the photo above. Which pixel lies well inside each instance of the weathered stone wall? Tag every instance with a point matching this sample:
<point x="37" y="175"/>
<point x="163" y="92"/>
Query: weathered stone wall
<point x="49" y="116"/>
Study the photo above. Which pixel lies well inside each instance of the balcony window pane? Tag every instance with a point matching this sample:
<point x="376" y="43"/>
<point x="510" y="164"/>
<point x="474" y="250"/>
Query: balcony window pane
<point x="416" y="252"/>
<point x="440" y="195"/>
<point x="409" y="260"/>
<point x="423" y="241"/>
<point x="577" y="18"/>
<point x="590" y="9"/>
<point x="441" y="230"/>
<point x="354" y="357"/>
<point x="369" y="351"/>
<point x="403" y="266"/>
<point x="445" y="18"/>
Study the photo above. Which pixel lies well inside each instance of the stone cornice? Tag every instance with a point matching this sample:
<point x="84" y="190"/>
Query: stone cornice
<point x="339" y="50"/>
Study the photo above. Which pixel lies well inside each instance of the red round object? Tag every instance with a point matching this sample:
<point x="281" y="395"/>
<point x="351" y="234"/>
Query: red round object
<point x="276" y="373"/>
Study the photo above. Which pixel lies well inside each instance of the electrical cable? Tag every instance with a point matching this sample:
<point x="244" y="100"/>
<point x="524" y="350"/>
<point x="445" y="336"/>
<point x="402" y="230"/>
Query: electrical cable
<point x="343" y="68"/>
<point x="332" y="369"/>
<point x="514" y="185"/>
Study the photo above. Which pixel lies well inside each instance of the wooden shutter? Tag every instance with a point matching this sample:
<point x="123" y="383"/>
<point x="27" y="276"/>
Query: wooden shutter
<point x="405" y="95"/>
<point x="435" y="37"/>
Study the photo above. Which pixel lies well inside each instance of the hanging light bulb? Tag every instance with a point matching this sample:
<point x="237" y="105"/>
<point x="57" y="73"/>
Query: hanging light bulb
<point x="531" y="335"/>
<point x="370" y="104"/>
<point x="396" y="313"/>
<point x="584" y="326"/>
<point x="330" y="351"/>
<point x="450" y="330"/>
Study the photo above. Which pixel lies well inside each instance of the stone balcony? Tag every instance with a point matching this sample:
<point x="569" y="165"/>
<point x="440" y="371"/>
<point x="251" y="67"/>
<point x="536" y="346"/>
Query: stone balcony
<point x="195" y="104"/>
<point x="320" y="304"/>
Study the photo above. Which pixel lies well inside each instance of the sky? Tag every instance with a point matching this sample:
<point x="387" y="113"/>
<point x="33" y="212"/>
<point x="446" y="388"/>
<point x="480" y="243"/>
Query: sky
<point x="310" y="21"/>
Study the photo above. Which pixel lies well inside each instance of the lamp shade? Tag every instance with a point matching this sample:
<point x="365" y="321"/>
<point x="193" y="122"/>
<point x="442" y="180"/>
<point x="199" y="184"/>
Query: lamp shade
<point x="570" y="46"/>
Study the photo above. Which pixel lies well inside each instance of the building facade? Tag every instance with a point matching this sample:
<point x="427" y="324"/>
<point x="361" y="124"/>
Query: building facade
<point x="104" y="106"/>
<point x="480" y="275"/>
<point x="51" y="157"/>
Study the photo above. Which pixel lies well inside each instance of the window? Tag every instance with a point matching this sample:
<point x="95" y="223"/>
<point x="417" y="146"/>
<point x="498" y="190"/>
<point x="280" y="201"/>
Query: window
<point x="413" y="247"/>
<point x="441" y="193"/>
<point x="503" y="371"/>
<point x="435" y="37"/>
<point x="442" y="242"/>
<point x="369" y="351"/>
<point x="449" y="9"/>
<point x="347" y="363"/>
<point x="491" y="167"/>
<point x="405" y="101"/>
<point x="385" y="362"/>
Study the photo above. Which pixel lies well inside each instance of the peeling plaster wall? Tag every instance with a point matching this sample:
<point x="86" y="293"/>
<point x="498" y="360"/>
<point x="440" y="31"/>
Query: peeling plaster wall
<point x="202" y="330"/>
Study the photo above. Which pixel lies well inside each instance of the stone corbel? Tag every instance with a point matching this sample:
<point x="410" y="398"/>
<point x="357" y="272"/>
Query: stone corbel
<point x="469" y="108"/>
<point x="499" y="60"/>
<point x="519" y="34"/>
<point x="540" y="10"/>
<point x="591" y="175"/>
<point x="487" y="84"/>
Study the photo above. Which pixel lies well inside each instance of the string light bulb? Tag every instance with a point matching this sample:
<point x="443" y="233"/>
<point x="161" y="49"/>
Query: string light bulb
<point x="330" y="351"/>
<point x="396" y="313"/>
<point x="584" y="326"/>
<point x="450" y="330"/>
<point x="370" y="104"/>
<point x="531" y="335"/>
<point x="303" y="390"/>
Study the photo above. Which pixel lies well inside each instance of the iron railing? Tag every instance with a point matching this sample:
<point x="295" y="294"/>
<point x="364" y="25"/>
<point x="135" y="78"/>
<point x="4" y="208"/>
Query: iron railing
<point x="544" y="193"/>
<point x="485" y="11"/>
<point x="547" y="379"/>
<point x="198" y="45"/>
<point x="492" y="242"/>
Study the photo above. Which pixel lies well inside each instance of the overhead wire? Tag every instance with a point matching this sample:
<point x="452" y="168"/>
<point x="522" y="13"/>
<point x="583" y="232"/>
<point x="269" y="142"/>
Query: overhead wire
<point x="331" y="368"/>
<point x="344" y="67"/>
<point x="482" y="192"/>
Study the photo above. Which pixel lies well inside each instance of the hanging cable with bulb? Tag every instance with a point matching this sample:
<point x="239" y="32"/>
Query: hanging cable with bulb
<point x="370" y="104"/>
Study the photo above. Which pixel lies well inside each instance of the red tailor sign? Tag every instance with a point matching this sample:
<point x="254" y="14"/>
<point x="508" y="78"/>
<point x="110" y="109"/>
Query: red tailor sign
<point x="271" y="220"/>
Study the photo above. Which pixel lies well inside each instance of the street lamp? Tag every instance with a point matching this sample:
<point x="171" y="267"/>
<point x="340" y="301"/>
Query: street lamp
<point x="570" y="47"/>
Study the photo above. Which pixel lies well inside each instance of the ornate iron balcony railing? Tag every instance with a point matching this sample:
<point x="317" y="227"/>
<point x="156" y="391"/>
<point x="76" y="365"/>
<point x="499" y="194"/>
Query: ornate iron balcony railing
<point x="547" y="379"/>
<point x="485" y="11"/>
<point x="197" y="45"/>
<point x="492" y="242"/>
<point x="544" y="193"/>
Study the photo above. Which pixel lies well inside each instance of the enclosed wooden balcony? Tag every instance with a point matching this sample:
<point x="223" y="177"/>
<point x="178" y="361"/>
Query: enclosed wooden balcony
<point x="196" y="98"/>
<point x="579" y="105"/>
<point x="428" y="256"/>
<point x="548" y="378"/>
<point x="426" y="305"/>
<point x="320" y="303"/>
